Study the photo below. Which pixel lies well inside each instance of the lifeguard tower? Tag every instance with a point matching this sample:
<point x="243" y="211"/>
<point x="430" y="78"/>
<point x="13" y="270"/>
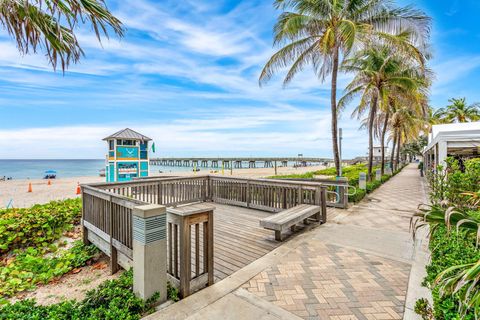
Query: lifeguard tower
<point x="127" y="156"/>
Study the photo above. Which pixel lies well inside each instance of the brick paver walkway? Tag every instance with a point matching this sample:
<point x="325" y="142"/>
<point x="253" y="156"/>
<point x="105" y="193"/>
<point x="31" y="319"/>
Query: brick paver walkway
<point x="321" y="280"/>
<point x="356" y="266"/>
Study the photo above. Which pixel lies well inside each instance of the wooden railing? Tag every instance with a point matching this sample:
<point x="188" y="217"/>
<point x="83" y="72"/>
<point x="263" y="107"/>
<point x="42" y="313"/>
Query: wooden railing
<point x="165" y="191"/>
<point x="263" y="194"/>
<point x="107" y="222"/>
<point x="337" y="190"/>
<point x="107" y="207"/>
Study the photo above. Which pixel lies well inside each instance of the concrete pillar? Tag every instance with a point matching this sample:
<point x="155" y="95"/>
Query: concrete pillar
<point x="388" y="169"/>
<point x="362" y="181"/>
<point x="442" y="153"/>
<point x="378" y="174"/>
<point x="150" y="251"/>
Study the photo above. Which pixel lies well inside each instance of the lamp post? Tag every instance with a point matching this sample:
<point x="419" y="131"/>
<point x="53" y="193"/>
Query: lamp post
<point x="340" y="150"/>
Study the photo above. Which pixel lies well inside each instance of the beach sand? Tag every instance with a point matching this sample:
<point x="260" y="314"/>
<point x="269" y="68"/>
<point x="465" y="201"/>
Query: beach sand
<point x="17" y="190"/>
<point x="63" y="188"/>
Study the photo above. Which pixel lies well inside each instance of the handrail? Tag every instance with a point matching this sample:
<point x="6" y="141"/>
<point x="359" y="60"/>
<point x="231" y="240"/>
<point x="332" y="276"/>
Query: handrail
<point x="94" y="191"/>
<point x="270" y="181"/>
<point x="151" y="180"/>
<point x="108" y="207"/>
<point x="145" y="181"/>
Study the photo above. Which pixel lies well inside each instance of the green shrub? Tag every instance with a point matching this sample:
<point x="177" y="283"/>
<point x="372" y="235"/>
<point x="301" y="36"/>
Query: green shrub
<point x="352" y="173"/>
<point x="37" y="226"/>
<point x="422" y="307"/>
<point x="357" y="196"/>
<point x="449" y="249"/>
<point x="31" y="266"/>
<point x="172" y="293"/>
<point x="451" y="184"/>
<point x="112" y="300"/>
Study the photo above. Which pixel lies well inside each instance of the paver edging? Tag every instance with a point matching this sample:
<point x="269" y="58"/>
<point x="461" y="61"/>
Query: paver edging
<point x="415" y="290"/>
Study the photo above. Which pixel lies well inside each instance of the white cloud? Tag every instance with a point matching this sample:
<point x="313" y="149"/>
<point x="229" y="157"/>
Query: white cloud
<point x="283" y="130"/>
<point x="218" y="106"/>
<point x="454" y="69"/>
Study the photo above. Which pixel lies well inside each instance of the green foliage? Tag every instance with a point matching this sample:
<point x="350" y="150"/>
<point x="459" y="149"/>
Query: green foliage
<point x="37" y="226"/>
<point x="454" y="270"/>
<point x="352" y="173"/>
<point x="31" y="266"/>
<point x="357" y="196"/>
<point x="112" y="300"/>
<point x="415" y="147"/>
<point x="435" y="215"/>
<point x="458" y="111"/>
<point x="450" y="185"/>
<point x="172" y="293"/>
<point x="449" y="249"/>
<point x="422" y="307"/>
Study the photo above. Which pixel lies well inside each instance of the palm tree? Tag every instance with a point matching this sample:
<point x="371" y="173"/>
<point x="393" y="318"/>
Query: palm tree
<point x="458" y="111"/>
<point x="50" y="24"/>
<point x="322" y="32"/>
<point x="407" y="122"/>
<point x="380" y="75"/>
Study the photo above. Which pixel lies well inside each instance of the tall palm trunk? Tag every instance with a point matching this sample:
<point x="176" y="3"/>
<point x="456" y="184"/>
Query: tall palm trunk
<point x="336" y="157"/>
<point x="399" y="135"/>
<point x="371" y="120"/>
<point x="382" y="141"/>
<point x="392" y="155"/>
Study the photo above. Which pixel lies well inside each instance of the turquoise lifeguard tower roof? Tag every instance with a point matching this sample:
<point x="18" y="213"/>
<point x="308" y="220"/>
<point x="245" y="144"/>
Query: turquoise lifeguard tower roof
<point x="129" y="134"/>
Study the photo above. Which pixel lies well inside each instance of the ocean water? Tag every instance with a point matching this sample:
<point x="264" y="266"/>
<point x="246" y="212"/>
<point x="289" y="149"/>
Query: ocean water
<point x="35" y="169"/>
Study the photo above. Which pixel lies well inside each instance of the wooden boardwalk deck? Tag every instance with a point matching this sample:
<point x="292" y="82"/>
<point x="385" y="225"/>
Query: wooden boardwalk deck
<point x="238" y="238"/>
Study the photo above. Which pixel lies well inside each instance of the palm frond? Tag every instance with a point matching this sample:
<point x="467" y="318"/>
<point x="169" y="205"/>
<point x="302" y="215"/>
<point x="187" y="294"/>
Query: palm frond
<point x="51" y="25"/>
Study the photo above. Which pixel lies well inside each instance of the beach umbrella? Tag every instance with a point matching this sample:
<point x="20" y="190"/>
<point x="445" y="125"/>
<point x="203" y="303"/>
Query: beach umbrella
<point x="50" y="172"/>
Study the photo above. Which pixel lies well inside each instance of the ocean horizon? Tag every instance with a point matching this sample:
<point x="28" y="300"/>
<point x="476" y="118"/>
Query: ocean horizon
<point x="65" y="168"/>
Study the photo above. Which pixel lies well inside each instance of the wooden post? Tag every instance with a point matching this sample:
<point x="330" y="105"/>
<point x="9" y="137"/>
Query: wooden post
<point x="160" y="193"/>
<point x="210" y="248"/>
<point x="300" y="195"/>
<point x="113" y="251"/>
<point x="275" y="167"/>
<point x="185" y="217"/>
<point x="186" y="261"/>
<point x="84" y="230"/>
<point x="323" y="204"/>
<point x="248" y="194"/>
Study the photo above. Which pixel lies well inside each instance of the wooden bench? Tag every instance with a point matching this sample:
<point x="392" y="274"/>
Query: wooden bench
<point x="283" y="220"/>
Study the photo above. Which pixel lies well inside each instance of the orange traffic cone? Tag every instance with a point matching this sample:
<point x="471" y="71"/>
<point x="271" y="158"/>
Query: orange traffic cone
<point x="78" y="189"/>
<point x="49" y="182"/>
<point x="30" y="187"/>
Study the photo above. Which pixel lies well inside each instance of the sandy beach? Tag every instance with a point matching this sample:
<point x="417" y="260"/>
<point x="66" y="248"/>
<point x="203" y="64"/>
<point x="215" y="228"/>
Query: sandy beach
<point x="15" y="192"/>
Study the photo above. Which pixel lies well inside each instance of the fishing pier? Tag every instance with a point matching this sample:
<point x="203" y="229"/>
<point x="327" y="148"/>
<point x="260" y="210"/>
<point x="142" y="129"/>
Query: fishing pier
<point x="239" y="162"/>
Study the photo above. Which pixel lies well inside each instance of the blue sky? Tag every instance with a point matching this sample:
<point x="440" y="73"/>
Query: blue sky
<point x="186" y="74"/>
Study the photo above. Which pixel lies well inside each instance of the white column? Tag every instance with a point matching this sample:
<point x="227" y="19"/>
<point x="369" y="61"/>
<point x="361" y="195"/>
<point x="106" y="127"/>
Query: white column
<point x="442" y="153"/>
<point x="150" y="251"/>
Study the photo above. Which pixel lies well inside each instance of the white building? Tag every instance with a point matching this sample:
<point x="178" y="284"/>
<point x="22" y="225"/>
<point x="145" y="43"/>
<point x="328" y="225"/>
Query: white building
<point x="377" y="153"/>
<point x="454" y="139"/>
